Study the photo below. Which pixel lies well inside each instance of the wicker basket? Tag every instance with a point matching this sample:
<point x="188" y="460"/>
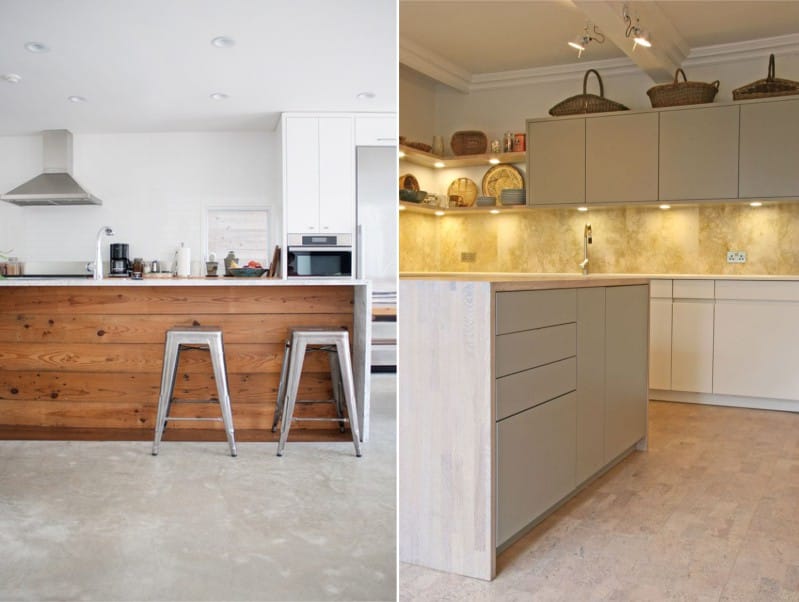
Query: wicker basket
<point x="587" y="103"/>
<point x="469" y="142"/>
<point x="682" y="92"/>
<point x="764" y="88"/>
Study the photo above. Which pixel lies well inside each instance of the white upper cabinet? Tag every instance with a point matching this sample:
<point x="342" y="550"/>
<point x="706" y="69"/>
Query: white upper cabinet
<point x="621" y="158"/>
<point x="319" y="174"/>
<point x="376" y="130"/>
<point x="699" y="153"/>
<point x="769" y="149"/>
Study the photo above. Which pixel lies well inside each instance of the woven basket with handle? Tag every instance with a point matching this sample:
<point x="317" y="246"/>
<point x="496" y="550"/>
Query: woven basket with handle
<point x="765" y="88"/>
<point x="587" y="103"/>
<point x="682" y="92"/>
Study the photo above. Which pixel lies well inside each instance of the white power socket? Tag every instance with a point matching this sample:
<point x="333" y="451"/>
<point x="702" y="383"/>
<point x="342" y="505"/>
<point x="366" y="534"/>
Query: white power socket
<point x="736" y="256"/>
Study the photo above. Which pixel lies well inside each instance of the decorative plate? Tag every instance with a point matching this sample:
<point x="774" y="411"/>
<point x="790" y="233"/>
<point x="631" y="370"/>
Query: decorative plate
<point x="408" y="182"/>
<point x="500" y="177"/>
<point x="464" y="188"/>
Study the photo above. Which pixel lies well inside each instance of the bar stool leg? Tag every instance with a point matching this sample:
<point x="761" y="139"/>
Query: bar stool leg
<point x="297" y="357"/>
<point x="167" y="390"/>
<point x="220" y="374"/>
<point x="349" y="391"/>
<point x="335" y="378"/>
<point x="281" y="391"/>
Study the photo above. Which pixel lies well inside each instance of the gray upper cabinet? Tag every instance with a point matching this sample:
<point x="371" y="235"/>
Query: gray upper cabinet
<point x="769" y="149"/>
<point x="699" y="153"/>
<point x="621" y="158"/>
<point x="556" y="161"/>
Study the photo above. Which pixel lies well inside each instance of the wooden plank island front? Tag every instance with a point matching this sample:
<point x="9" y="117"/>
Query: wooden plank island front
<point x="82" y="360"/>
<point x="514" y="392"/>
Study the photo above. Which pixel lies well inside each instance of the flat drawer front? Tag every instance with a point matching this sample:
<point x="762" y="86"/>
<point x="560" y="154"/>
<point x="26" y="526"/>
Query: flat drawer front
<point x="536" y="459"/>
<point x="523" y="390"/>
<point x="524" y="310"/>
<point x="529" y="349"/>
<point x="660" y="289"/>
<point x="757" y="290"/>
<point x="694" y="289"/>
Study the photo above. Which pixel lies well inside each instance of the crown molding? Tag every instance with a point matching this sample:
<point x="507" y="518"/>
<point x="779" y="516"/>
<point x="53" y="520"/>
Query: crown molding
<point x="742" y="51"/>
<point x="433" y="65"/>
<point x="417" y="57"/>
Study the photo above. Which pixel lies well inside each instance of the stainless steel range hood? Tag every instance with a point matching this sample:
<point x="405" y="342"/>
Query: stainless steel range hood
<point x="55" y="186"/>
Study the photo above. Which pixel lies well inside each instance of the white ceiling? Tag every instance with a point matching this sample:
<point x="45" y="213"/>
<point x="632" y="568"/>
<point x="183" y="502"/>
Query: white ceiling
<point x="460" y="42"/>
<point x="148" y="65"/>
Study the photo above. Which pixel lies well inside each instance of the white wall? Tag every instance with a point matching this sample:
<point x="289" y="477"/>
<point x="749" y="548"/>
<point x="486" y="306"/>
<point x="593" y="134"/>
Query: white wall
<point x="417" y="101"/>
<point x="154" y="187"/>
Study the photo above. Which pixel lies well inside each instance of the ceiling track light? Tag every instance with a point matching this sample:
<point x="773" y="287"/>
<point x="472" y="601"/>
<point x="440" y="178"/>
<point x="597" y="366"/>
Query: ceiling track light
<point x="640" y="36"/>
<point x="581" y="41"/>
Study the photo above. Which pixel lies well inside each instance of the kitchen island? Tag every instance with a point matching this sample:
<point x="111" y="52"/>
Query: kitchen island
<point x="82" y="359"/>
<point x="514" y="392"/>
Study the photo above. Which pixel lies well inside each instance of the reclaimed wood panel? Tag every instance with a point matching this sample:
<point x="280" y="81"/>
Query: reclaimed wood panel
<point x="101" y="386"/>
<point x="86" y="361"/>
<point x="98" y="328"/>
<point x="136" y="301"/>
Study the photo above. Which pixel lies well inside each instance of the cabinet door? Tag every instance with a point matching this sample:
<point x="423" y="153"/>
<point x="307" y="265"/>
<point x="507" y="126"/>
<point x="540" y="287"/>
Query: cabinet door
<point x="699" y="153"/>
<point x="626" y="346"/>
<point x="660" y="344"/>
<point x="755" y="347"/>
<point x="535" y="462"/>
<point x="336" y="176"/>
<point x="556" y="161"/>
<point x="769" y="148"/>
<point x="621" y="162"/>
<point x="302" y="174"/>
<point x="590" y="381"/>
<point x="377" y="130"/>
<point x="692" y="345"/>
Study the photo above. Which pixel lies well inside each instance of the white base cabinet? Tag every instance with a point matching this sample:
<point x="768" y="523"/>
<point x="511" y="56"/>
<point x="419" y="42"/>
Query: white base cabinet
<point x="732" y="343"/>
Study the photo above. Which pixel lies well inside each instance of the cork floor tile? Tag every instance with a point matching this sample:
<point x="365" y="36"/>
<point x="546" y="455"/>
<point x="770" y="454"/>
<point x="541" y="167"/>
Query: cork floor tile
<point x="709" y="512"/>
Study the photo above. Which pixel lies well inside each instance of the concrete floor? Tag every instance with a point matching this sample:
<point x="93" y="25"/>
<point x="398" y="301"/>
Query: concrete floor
<point x="108" y="521"/>
<point x="709" y="513"/>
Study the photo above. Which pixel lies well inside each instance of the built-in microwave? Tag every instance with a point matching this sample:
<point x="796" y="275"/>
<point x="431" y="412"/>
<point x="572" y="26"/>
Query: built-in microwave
<point x="319" y="255"/>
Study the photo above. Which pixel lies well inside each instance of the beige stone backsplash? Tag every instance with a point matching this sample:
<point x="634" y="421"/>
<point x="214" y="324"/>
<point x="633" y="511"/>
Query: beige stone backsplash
<point x="635" y="240"/>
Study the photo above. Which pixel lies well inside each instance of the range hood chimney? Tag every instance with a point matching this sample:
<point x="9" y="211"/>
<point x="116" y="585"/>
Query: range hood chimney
<point x="56" y="185"/>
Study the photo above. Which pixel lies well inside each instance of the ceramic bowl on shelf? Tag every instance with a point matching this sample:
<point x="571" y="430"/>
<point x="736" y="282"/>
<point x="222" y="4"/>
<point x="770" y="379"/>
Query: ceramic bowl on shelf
<point x="247" y="272"/>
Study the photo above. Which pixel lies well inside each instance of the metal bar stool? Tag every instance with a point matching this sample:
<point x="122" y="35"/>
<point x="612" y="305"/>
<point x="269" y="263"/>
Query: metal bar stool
<point x="336" y="344"/>
<point x="205" y="338"/>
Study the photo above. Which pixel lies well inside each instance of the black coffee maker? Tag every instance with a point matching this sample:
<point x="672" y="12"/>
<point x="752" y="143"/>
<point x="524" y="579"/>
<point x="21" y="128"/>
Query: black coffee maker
<point x="120" y="263"/>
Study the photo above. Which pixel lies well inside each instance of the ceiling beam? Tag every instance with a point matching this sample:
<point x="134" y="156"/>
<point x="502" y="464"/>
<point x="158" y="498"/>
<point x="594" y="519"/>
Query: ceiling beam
<point x="668" y="50"/>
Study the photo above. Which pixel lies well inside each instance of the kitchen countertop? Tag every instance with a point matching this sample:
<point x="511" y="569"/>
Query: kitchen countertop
<point x="221" y="281"/>
<point x="576" y="277"/>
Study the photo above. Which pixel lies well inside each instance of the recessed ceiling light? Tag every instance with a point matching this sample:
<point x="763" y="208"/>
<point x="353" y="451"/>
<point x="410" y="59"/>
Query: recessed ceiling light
<point x="36" y="47"/>
<point x="494" y="161"/>
<point x="223" y="42"/>
<point x="76" y="98"/>
<point x="12" y="78"/>
<point x="438" y="164"/>
<point x="755" y="204"/>
<point x="365" y="95"/>
<point x="582" y="208"/>
<point x="665" y="206"/>
<point x="219" y="96"/>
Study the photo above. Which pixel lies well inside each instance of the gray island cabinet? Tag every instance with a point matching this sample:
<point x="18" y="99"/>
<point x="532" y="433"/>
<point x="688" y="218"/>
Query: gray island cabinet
<point x="513" y="394"/>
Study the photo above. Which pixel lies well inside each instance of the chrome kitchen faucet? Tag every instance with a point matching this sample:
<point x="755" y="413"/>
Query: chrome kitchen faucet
<point x="98" y="258"/>
<point x="587" y="239"/>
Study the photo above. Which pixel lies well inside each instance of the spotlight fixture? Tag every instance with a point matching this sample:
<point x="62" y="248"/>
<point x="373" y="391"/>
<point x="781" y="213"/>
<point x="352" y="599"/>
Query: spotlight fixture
<point x="439" y="213"/>
<point x="640" y="36"/>
<point x="755" y="204"/>
<point x="581" y="41"/>
<point x="494" y="211"/>
<point x="664" y="207"/>
<point x="76" y="99"/>
<point x="439" y="164"/>
<point x="493" y="161"/>
<point x="582" y="209"/>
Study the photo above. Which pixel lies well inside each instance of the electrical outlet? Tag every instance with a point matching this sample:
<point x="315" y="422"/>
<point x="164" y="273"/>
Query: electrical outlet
<point x="468" y="256"/>
<point x="736" y="256"/>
